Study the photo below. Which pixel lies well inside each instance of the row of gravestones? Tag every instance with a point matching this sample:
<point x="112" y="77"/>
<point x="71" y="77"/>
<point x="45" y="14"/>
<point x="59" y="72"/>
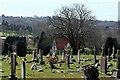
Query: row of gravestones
<point x="116" y="72"/>
<point x="13" y="68"/>
<point x="67" y="63"/>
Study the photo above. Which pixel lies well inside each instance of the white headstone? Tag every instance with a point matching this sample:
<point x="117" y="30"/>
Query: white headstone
<point x="79" y="56"/>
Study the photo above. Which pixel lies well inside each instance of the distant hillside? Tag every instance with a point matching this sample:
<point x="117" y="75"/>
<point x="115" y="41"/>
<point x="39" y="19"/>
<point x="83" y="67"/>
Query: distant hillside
<point x="31" y="24"/>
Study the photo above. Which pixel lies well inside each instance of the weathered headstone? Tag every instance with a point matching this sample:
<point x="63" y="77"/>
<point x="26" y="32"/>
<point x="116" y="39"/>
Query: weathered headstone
<point x="67" y="61"/>
<point x="54" y="46"/>
<point x="104" y="64"/>
<point x="34" y="55"/>
<point x="94" y="56"/>
<point x="40" y="70"/>
<point x="71" y="51"/>
<point x="13" y="67"/>
<point x="113" y="52"/>
<point x="23" y="69"/>
<point x="41" y="55"/>
<point x="79" y="56"/>
<point x="41" y="58"/>
<point x="118" y="64"/>
<point x="33" y="67"/>
<point x="63" y="55"/>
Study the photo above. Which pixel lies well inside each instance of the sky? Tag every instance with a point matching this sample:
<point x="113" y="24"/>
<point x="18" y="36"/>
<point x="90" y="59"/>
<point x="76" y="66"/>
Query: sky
<point x="102" y="9"/>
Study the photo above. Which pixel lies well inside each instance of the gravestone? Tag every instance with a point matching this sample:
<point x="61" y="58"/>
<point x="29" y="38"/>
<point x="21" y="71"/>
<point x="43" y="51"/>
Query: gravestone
<point x="95" y="56"/>
<point x="40" y="70"/>
<point x="13" y="67"/>
<point x="34" y="58"/>
<point x="63" y="55"/>
<point x="33" y="55"/>
<point x="23" y="69"/>
<point x="41" y="57"/>
<point x="104" y="64"/>
<point x="67" y="63"/>
<point x="79" y="56"/>
<point x="71" y="51"/>
<point x="33" y="67"/>
<point x="54" y="46"/>
<point x="113" y="54"/>
<point x="116" y="72"/>
<point x="118" y="64"/>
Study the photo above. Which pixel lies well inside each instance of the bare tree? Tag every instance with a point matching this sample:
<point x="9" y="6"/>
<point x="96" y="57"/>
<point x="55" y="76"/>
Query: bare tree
<point x="74" y="23"/>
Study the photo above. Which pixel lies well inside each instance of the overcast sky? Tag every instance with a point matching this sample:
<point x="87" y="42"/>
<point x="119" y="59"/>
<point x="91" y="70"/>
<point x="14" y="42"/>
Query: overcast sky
<point x="102" y="9"/>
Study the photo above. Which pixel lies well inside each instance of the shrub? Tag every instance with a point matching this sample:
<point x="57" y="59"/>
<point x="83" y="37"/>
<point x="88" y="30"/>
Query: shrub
<point x="21" y="49"/>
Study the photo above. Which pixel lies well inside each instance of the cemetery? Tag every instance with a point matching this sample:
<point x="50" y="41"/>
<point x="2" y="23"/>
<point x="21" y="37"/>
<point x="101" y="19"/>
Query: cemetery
<point x="17" y="63"/>
<point x="71" y="44"/>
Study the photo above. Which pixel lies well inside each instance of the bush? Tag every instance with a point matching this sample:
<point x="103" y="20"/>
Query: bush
<point x="21" y="49"/>
<point x="108" y="45"/>
<point x="45" y="44"/>
<point x="9" y="42"/>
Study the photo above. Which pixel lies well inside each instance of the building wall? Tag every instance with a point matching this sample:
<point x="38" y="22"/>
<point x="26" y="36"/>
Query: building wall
<point x="61" y="42"/>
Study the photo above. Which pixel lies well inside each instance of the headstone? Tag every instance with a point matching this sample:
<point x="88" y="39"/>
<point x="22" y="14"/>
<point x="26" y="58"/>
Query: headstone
<point x="23" y="70"/>
<point x="79" y="56"/>
<point x="109" y="65"/>
<point x="118" y="64"/>
<point x="104" y="64"/>
<point x="59" y="64"/>
<point x="41" y="55"/>
<point x="34" y="53"/>
<point x="67" y="61"/>
<point x="54" y="46"/>
<point x="40" y="70"/>
<point x="94" y="56"/>
<point x="116" y="72"/>
<point x="41" y="58"/>
<point x="63" y="55"/>
<point x="53" y="71"/>
<point x="71" y="52"/>
<point x="113" y="54"/>
<point x="33" y="67"/>
<point x="13" y="67"/>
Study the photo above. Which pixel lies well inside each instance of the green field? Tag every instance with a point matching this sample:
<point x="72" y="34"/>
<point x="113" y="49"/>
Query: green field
<point x="47" y="71"/>
<point x="13" y="34"/>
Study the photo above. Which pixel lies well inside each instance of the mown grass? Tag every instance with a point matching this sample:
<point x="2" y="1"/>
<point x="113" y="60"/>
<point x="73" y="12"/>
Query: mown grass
<point x="13" y="34"/>
<point x="47" y="70"/>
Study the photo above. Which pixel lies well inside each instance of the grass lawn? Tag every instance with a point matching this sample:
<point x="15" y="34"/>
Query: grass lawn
<point x="47" y="71"/>
<point x="13" y="34"/>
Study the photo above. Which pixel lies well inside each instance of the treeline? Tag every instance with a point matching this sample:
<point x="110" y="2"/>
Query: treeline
<point x="12" y="43"/>
<point x="14" y="27"/>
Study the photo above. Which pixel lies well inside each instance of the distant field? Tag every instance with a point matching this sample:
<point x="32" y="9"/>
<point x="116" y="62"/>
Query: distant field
<point x="14" y="34"/>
